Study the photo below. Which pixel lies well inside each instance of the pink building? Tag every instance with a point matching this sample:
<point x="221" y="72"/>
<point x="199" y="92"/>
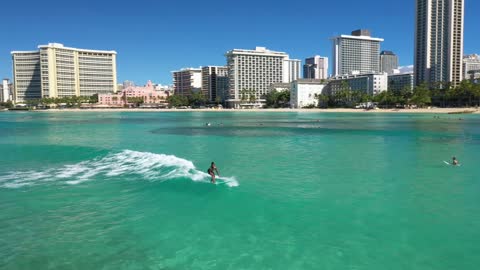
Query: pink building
<point x="148" y="93"/>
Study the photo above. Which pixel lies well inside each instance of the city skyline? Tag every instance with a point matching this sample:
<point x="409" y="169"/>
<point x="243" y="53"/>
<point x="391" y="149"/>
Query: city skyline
<point x="151" y="39"/>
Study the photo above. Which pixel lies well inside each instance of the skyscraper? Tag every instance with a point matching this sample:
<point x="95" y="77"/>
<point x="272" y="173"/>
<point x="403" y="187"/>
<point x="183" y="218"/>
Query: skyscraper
<point x="357" y="53"/>
<point x="316" y="68"/>
<point x="58" y="71"/>
<point x="388" y="62"/>
<point x="439" y="41"/>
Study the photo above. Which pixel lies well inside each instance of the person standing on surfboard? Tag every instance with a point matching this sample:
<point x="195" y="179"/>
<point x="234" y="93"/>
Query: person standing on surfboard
<point x="212" y="171"/>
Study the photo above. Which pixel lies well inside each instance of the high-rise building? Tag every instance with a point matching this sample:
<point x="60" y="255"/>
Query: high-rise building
<point x="254" y="71"/>
<point x="356" y="53"/>
<point x="388" y="62"/>
<point x="186" y="81"/>
<point x="439" y="42"/>
<point x="471" y="66"/>
<point x="5" y="93"/>
<point x="214" y="82"/>
<point x="58" y="71"/>
<point x="26" y="76"/>
<point x="316" y="68"/>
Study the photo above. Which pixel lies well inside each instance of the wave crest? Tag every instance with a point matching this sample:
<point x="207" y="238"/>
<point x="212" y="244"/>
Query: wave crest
<point x="150" y="166"/>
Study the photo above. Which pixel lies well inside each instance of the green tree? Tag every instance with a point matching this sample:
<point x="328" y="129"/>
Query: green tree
<point x="421" y="96"/>
<point x="218" y="100"/>
<point x="177" y="101"/>
<point x="8" y="104"/>
<point x="467" y="92"/>
<point x="32" y="102"/>
<point x="197" y="98"/>
<point x="386" y="99"/>
<point x="93" y="99"/>
<point x="278" y="99"/>
<point x="252" y="98"/>
<point x="135" y="100"/>
<point x="246" y="95"/>
<point x="283" y="99"/>
<point x="271" y="99"/>
<point x="323" y="100"/>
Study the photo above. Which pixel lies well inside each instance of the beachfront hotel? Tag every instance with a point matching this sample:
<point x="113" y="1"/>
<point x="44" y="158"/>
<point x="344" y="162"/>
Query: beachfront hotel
<point x="316" y="68"/>
<point x="439" y="41"/>
<point x="356" y="53"/>
<point x="186" y="81"/>
<point x="58" y="71"/>
<point x="214" y="82"/>
<point x="255" y="71"/>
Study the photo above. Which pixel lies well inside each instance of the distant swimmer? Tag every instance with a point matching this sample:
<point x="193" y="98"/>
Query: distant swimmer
<point x="212" y="171"/>
<point x="454" y="161"/>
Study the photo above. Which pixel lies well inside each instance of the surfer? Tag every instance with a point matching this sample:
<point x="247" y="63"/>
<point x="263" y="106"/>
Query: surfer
<point x="212" y="171"/>
<point x="454" y="161"/>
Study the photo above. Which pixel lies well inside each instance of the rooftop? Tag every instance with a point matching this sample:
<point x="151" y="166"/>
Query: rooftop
<point x="61" y="46"/>
<point x="257" y="51"/>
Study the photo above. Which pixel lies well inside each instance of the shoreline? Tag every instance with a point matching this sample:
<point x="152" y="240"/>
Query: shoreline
<point x="401" y="111"/>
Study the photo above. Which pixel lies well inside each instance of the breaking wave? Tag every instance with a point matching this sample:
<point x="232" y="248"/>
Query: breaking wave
<point x="149" y="166"/>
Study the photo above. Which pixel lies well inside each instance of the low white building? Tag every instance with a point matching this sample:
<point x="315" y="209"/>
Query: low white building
<point x="303" y="92"/>
<point x="371" y="84"/>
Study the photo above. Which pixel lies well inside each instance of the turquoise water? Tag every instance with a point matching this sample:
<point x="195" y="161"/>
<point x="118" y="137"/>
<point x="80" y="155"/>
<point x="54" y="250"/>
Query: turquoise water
<point x="300" y="191"/>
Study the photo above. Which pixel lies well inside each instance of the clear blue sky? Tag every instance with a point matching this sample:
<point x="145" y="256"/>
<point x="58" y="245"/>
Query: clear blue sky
<point x="152" y="37"/>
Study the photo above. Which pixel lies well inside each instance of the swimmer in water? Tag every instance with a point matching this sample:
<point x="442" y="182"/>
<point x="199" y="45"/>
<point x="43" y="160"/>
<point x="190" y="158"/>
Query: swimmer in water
<point x="454" y="161"/>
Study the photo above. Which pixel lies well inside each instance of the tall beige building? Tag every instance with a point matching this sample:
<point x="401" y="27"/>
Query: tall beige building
<point x="255" y="71"/>
<point x="439" y="42"/>
<point x="58" y="71"/>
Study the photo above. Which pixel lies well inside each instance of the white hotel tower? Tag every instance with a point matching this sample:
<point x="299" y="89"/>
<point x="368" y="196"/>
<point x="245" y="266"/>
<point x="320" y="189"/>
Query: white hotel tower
<point x="58" y="71"/>
<point x="356" y="54"/>
<point x="255" y="71"/>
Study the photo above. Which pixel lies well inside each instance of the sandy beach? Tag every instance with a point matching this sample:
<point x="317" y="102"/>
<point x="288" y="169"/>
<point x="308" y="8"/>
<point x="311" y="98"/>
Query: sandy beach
<point x="425" y="110"/>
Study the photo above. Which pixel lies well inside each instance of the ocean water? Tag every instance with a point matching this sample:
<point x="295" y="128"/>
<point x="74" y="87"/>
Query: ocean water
<point x="125" y="190"/>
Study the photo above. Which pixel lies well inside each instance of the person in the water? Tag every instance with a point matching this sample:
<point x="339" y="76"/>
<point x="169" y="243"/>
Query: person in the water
<point x="212" y="170"/>
<point x="454" y="161"/>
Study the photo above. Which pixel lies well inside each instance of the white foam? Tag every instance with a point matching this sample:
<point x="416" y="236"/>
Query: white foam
<point x="149" y="166"/>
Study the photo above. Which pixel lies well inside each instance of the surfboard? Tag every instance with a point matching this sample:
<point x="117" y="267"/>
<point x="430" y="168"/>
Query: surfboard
<point x="450" y="164"/>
